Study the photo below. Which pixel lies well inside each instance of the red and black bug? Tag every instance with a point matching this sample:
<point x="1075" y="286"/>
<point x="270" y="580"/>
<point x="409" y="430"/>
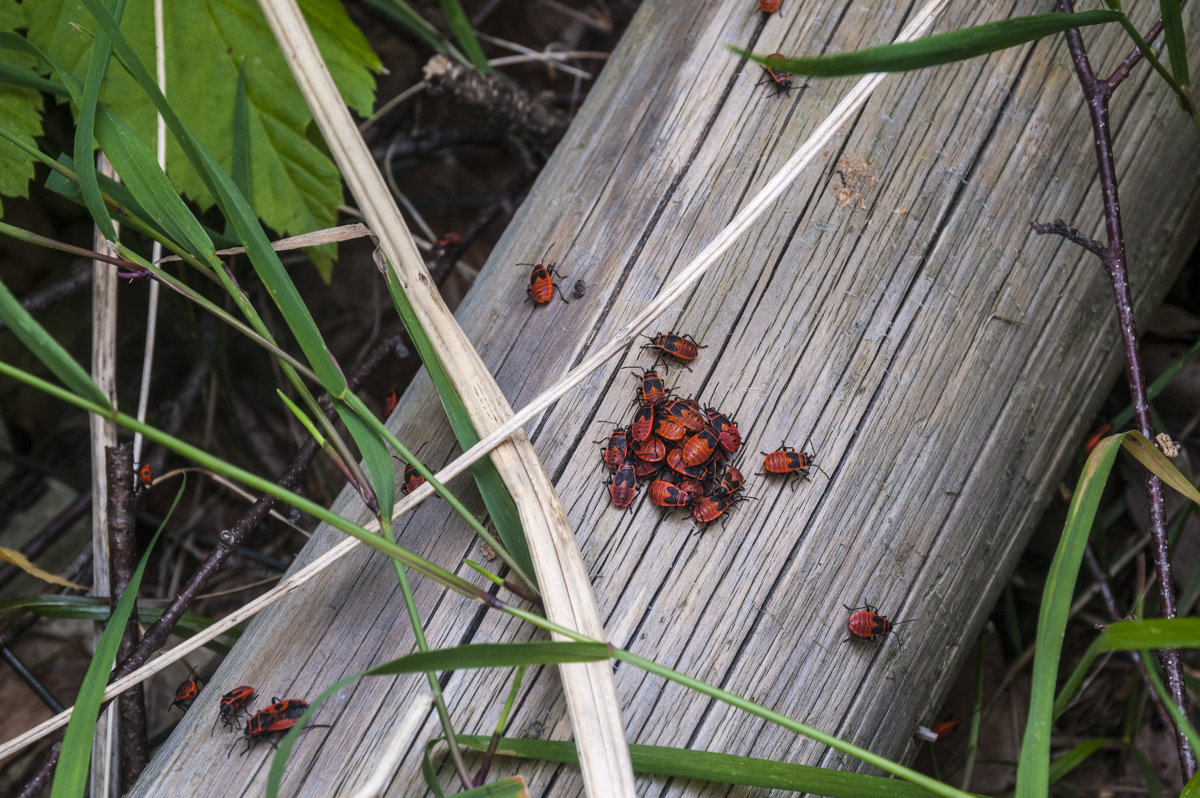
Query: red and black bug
<point x="622" y="485"/>
<point x="944" y="729"/>
<point x="681" y="347"/>
<point x="278" y="717"/>
<point x="681" y="410"/>
<point x="731" y="481"/>
<point x="448" y="240"/>
<point x="780" y="79"/>
<point x="676" y="463"/>
<point x="699" y="448"/>
<point x="651" y="450"/>
<point x="643" y="423"/>
<point x="644" y="468"/>
<point x="651" y="391"/>
<point x="710" y="508"/>
<point x="728" y="434"/>
<point x="390" y="402"/>
<point x="412" y="480"/>
<point x="185" y="694"/>
<point x="692" y="487"/>
<point x="669" y="429"/>
<point x="145" y="476"/>
<point x="769" y="6"/>
<point x="786" y="460"/>
<point x="667" y="494"/>
<point x="541" y="282"/>
<point x="1094" y="439"/>
<point x="616" y="448"/>
<point x="234" y="703"/>
<point x="866" y="623"/>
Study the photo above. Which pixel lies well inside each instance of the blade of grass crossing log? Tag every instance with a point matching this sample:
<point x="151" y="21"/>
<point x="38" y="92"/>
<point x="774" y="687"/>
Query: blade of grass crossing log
<point x="240" y="157"/>
<point x="511" y="787"/>
<point x="1033" y="768"/>
<point x="468" y="657"/>
<point x="941" y="48"/>
<point x="495" y="495"/>
<point x="85" y="123"/>
<point x="70" y="777"/>
<point x="1172" y="20"/>
<point x="47" y="350"/>
<point x="460" y="25"/>
<point x="718" y="767"/>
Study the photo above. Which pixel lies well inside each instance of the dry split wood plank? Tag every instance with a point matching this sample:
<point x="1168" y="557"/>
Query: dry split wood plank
<point x="893" y="305"/>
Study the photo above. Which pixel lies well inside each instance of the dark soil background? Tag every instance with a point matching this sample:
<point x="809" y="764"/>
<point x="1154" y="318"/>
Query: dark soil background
<point x="465" y="178"/>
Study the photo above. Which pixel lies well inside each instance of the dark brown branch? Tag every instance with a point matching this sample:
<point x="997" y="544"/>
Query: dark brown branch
<point x="1061" y="228"/>
<point x="1097" y="94"/>
<point x="497" y="99"/>
<point x="122" y="562"/>
<point x="41" y="779"/>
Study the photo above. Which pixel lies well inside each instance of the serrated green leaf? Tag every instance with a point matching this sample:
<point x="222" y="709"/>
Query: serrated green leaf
<point x="296" y="187"/>
<point x="941" y="48"/>
<point x="20" y="108"/>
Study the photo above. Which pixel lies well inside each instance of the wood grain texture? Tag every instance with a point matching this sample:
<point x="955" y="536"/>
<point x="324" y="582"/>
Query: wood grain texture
<point x="944" y="360"/>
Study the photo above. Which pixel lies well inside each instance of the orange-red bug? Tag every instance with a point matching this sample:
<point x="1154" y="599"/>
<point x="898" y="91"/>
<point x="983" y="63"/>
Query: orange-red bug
<point x="944" y="729"/>
<point x="676" y="463"/>
<point x="728" y="434"/>
<point x="616" y="449"/>
<point x="667" y="494"/>
<point x="866" y="623"/>
<point x="1095" y="437"/>
<point x="541" y="282"/>
<point x="447" y="241"/>
<point x="145" y="477"/>
<point x="681" y="347"/>
<point x="669" y="429"/>
<point x="412" y="480"/>
<point x="698" y="449"/>
<point x="622" y="486"/>
<point x="652" y="450"/>
<point x="278" y="717"/>
<point x="185" y="694"/>
<point x="643" y="423"/>
<point x="692" y="487"/>
<point x="731" y="481"/>
<point x="644" y="468"/>
<point x="234" y="702"/>
<point x="780" y="79"/>
<point x="651" y="391"/>
<point x="786" y="460"/>
<point x="389" y="403"/>
<point x="710" y="508"/>
<point x="681" y="410"/>
<point x="769" y="6"/>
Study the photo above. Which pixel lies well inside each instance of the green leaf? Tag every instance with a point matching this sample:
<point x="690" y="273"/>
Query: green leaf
<point x="47" y="350"/>
<point x="475" y="655"/>
<point x="512" y="787"/>
<point x="296" y="187"/>
<point x="715" y="767"/>
<point x="20" y="108"/>
<point x="403" y="13"/>
<point x="1155" y="461"/>
<point x="460" y="25"/>
<point x="941" y="48"/>
<point x="85" y="125"/>
<point x="70" y="777"/>
<point x="1033" y="770"/>
<point x="1176" y="40"/>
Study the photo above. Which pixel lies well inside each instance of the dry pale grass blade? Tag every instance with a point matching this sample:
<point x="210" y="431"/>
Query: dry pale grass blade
<point x="566" y="590"/>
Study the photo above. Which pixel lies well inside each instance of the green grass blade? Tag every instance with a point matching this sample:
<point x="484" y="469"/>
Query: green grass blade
<point x="47" y="350"/>
<point x="511" y="787"/>
<point x="85" y="608"/>
<point x="240" y="163"/>
<point x="1181" y="721"/>
<point x="85" y="124"/>
<point x="23" y="78"/>
<point x="941" y="48"/>
<point x="1077" y="756"/>
<point x="1033" y="769"/>
<point x="475" y="655"/>
<point x="1176" y="40"/>
<point x="403" y="13"/>
<point x="495" y="495"/>
<point x="375" y="458"/>
<point x="717" y="767"/>
<point x="460" y="25"/>
<point x="70" y="777"/>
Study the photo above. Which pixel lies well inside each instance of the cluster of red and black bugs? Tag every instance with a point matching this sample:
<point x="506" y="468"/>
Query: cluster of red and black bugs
<point x="687" y="446"/>
<point x="279" y="716"/>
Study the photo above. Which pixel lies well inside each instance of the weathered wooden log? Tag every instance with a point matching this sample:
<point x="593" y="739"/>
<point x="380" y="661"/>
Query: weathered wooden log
<point x="894" y="307"/>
